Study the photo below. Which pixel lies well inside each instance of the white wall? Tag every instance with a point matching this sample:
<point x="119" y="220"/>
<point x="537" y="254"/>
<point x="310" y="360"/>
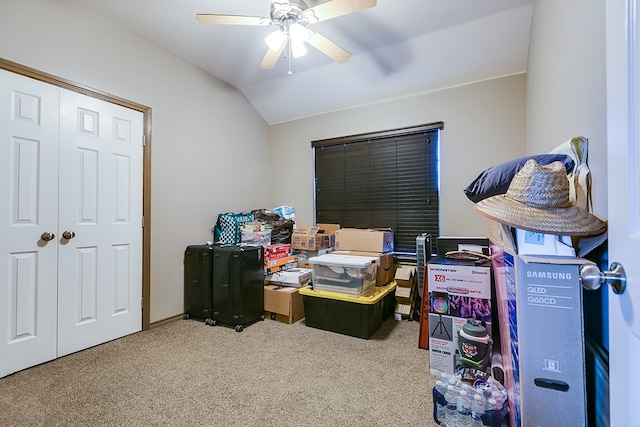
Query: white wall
<point x="208" y="143"/>
<point x="566" y="90"/>
<point x="484" y="124"/>
<point x="567" y="97"/>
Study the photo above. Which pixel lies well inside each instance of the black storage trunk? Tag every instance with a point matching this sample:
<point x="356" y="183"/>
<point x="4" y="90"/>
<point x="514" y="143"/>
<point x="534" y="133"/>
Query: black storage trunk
<point x="198" y="279"/>
<point x="238" y="285"/>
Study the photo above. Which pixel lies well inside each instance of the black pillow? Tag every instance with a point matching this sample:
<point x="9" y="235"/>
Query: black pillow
<point x="496" y="179"/>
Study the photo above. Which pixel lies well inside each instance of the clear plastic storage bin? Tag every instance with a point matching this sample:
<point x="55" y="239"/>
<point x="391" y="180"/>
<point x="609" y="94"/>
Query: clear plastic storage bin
<point x="347" y="274"/>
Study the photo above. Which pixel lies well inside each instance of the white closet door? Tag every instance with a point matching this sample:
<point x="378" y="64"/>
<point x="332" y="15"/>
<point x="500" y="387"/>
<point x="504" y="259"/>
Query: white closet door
<point x="29" y="112"/>
<point x="100" y="268"/>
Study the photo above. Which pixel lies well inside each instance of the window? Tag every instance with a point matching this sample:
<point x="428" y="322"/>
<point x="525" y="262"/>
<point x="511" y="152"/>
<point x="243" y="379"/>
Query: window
<point x="379" y="180"/>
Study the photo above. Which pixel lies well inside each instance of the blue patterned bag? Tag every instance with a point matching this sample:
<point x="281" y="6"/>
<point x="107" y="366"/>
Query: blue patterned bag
<point x="227" y="228"/>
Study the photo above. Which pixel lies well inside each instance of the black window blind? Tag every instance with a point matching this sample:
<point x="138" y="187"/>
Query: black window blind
<point x="379" y="180"/>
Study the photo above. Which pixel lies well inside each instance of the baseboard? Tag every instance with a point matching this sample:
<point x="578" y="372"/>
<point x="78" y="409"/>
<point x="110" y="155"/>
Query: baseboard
<point x="166" y="321"/>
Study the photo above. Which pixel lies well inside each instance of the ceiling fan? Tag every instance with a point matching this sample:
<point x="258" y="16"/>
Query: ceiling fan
<point x="292" y="17"/>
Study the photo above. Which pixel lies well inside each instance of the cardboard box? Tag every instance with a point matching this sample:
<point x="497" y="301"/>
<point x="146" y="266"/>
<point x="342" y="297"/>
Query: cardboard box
<point x="404" y="295"/>
<point x="539" y="304"/>
<point x="405" y="276"/>
<point x="280" y="264"/>
<point x="283" y="304"/>
<point x="386" y="266"/>
<point x="405" y="279"/>
<point x="446" y="244"/>
<point x="281" y="261"/>
<point x="368" y="240"/>
<point x="296" y="277"/>
<point x="322" y="236"/>
<point x="529" y="242"/>
<point x="457" y="290"/>
<point x="403" y="311"/>
<point x="277" y="269"/>
<point x="277" y="251"/>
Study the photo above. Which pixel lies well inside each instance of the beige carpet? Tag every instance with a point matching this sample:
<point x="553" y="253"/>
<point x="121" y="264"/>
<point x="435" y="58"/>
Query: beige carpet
<point x="271" y="374"/>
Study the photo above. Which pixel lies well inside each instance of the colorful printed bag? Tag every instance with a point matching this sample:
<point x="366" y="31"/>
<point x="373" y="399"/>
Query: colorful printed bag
<point x="227" y="228"/>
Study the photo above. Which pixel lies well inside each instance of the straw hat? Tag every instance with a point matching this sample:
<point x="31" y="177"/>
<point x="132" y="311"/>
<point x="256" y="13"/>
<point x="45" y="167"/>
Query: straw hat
<point x="538" y="200"/>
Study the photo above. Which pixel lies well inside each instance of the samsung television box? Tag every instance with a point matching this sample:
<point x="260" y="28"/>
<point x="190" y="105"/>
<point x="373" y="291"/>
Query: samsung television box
<point x="539" y="304"/>
<point x="457" y="290"/>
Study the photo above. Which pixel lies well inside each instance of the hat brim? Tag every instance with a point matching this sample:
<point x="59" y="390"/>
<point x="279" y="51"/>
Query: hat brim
<point x="570" y="221"/>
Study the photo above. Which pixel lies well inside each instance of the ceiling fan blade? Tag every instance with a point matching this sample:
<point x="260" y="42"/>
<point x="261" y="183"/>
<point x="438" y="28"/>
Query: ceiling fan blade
<point x="335" y="8"/>
<point x="271" y="57"/>
<point x="210" y="18"/>
<point x="328" y="47"/>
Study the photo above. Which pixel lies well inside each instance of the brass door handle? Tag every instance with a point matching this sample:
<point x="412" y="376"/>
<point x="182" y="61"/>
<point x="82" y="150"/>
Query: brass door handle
<point x="47" y="236"/>
<point x="68" y="234"/>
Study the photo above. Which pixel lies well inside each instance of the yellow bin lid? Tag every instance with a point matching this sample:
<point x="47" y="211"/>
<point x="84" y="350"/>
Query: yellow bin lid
<point x="371" y="297"/>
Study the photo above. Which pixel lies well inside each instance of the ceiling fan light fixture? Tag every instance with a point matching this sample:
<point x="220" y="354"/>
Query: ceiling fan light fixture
<point x="298" y="33"/>
<point x="275" y="40"/>
<point x="298" y="49"/>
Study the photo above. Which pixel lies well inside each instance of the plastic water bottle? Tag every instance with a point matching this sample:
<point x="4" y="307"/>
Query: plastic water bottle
<point x="493" y="412"/>
<point x="451" y="396"/>
<point x="441" y="407"/>
<point x="492" y="404"/>
<point x="455" y="382"/>
<point x="462" y="417"/>
<point x="498" y="396"/>
<point x="444" y="377"/>
<point x="477" y="410"/>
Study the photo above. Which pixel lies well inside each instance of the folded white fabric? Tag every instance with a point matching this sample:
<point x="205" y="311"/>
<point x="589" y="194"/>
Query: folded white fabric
<point x="580" y="176"/>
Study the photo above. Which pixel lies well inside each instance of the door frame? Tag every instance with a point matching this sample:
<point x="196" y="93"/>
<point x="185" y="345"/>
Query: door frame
<point x="146" y="167"/>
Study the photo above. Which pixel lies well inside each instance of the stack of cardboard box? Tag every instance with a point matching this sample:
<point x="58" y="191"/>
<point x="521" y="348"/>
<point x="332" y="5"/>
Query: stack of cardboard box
<point x="405" y="291"/>
<point x="308" y="242"/>
<point x="286" y="270"/>
<point x="282" y="302"/>
<point x="369" y="243"/>
<point x="278" y="257"/>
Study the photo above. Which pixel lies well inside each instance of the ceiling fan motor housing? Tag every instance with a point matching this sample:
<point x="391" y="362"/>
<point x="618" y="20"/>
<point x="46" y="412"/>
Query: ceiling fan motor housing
<point x="288" y="13"/>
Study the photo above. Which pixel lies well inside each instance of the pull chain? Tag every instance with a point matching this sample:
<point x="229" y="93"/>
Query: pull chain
<point x="289" y="53"/>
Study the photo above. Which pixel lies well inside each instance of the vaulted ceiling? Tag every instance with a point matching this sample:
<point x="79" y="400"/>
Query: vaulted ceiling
<point x="398" y="47"/>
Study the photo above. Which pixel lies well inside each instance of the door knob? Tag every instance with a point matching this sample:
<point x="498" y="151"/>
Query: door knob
<point x="68" y="234"/>
<point x="47" y="235"/>
<point x="591" y="277"/>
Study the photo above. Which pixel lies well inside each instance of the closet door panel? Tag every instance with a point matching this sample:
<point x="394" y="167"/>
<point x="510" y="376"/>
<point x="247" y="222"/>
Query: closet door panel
<point x="29" y="112"/>
<point x="101" y="203"/>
